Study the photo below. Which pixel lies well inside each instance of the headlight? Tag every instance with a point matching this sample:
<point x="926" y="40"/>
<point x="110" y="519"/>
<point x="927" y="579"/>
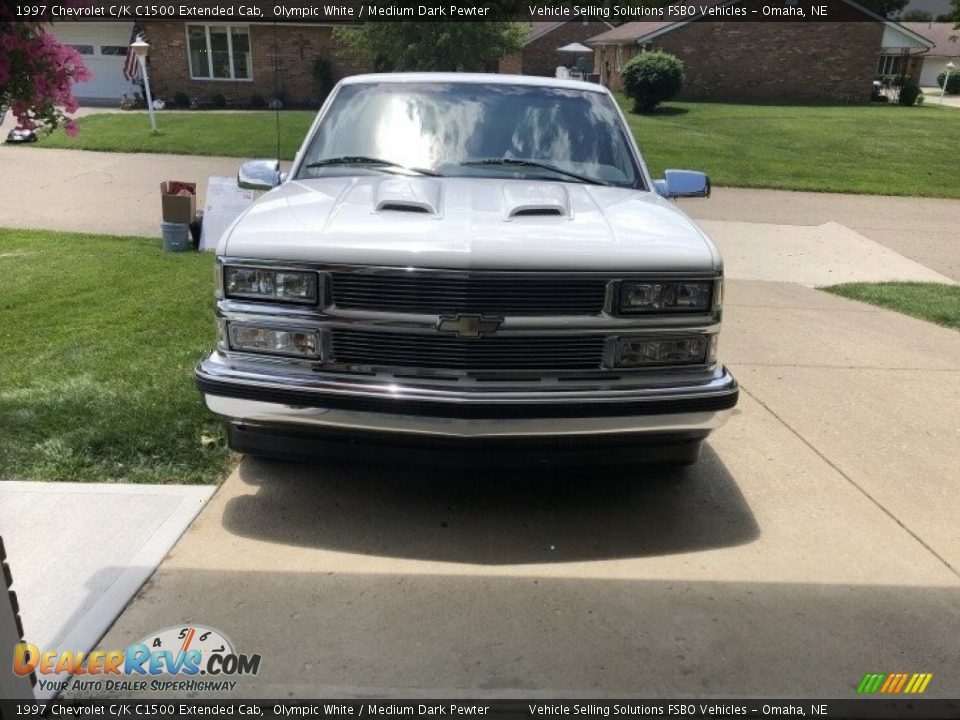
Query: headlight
<point x="653" y="296"/>
<point x="636" y="352"/>
<point x="275" y="341"/>
<point x="266" y="284"/>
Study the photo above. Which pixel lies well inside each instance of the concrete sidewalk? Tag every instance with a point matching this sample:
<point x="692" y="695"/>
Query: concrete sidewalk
<point x="815" y="256"/>
<point x="793" y="237"/>
<point x="78" y="552"/>
<point x="922" y="229"/>
<point x="109" y="193"/>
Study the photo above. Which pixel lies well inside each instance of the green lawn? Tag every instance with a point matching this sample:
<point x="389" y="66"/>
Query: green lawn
<point x="883" y="149"/>
<point x="230" y="134"/>
<point x="99" y="337"/>
<point x="928" y="301"/>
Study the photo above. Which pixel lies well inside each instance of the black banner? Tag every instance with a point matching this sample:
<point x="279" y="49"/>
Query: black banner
<point x="353" y="11"/>
<point x="878" y="709"/>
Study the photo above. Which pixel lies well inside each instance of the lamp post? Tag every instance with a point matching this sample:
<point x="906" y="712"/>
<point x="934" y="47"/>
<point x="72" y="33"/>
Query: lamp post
<point x="140" y="49"/>
<point x="946" y="79"/>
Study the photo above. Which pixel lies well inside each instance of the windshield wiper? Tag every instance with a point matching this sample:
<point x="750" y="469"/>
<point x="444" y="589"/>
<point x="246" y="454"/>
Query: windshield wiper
<point x="514" y="162"/>
<point x="376" y="162"/>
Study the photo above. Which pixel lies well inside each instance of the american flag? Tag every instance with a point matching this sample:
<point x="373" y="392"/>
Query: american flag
<point x="131" y="67"/>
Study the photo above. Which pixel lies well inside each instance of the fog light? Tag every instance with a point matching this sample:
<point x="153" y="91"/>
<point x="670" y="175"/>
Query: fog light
<point x="633" y="352"/>
<point x="275" y="341"/>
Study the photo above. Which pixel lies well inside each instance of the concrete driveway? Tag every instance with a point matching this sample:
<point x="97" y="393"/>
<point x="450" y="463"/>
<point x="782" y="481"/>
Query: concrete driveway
<point x="816" y="540"/>
<point x="932" y="96"/>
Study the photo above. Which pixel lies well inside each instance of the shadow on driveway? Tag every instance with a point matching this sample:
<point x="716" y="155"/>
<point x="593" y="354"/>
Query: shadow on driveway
<point x="502" y="517"/>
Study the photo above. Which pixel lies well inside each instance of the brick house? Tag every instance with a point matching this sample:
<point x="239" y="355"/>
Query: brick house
<point x="831" y="62"/>
<point x="539" y="55"/>
<point x="240" y="60"/>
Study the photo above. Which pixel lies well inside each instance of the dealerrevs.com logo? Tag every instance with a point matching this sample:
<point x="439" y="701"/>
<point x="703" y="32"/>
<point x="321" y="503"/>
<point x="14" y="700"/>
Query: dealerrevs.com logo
<point x="179" y="658"/>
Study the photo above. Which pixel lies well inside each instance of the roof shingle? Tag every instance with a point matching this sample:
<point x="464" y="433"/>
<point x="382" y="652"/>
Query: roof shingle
<point x="627" y="33"/>
<point x="939" y="33"/>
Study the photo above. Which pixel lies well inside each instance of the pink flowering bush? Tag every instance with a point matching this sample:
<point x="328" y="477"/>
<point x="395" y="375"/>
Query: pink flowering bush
<point x="37" y="75"/>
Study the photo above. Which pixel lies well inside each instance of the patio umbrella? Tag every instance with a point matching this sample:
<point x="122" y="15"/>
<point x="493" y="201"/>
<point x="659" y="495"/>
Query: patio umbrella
<point x="575" y="48"/>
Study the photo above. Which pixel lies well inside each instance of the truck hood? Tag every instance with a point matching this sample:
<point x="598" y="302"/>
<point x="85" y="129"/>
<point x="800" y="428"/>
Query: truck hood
<point x="469" y="223"/>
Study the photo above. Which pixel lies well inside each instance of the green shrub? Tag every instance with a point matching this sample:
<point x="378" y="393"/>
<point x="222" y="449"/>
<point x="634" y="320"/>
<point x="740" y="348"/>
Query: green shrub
<point x="909" y="92"/>
<point x="893" y="80"/>
<point x="953" y="85"/>
<point x="257" y="100"/>
<point x="181" y="100"/>
<point x="219" y="101"/>
<point x="650" y="78"/>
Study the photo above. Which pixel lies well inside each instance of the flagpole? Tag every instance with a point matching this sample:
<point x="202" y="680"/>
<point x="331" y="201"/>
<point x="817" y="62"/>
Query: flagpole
<point x="146" y="86"/>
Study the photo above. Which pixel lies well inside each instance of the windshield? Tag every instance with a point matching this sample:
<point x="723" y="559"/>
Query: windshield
<point x="468" y="129"/>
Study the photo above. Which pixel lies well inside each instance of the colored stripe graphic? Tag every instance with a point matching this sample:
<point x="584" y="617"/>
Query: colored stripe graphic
<point x="870" y="683"/>
<point x="894" y="683"/>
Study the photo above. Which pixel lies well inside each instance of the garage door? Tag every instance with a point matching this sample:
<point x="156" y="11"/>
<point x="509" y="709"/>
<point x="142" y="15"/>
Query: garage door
<point x="932" y="66"/>
<point x="104" y="50"/>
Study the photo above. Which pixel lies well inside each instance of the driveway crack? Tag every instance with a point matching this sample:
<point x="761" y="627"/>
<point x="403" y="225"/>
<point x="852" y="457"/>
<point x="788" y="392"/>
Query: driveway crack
<point x="854" y="483"/>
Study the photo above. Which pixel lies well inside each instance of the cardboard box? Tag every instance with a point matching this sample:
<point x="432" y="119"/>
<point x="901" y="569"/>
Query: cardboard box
<point x="175" y="206"/>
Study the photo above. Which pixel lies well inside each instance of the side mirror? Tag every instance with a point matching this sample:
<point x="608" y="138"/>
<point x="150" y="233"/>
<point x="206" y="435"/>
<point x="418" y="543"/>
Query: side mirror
<point x="682" y="183"/>
<point x="259" y="175"/>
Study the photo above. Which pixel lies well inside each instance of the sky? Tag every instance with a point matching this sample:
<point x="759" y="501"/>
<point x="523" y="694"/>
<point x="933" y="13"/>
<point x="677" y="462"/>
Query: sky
<point x="934" y="7"/>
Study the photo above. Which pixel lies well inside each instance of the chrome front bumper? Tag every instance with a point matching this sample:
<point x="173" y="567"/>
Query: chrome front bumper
<point x="282" y="398"/>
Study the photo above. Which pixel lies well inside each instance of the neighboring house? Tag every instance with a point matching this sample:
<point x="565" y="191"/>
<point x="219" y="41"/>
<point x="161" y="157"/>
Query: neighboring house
<point x="829" y="62"/>
<point x="103" y="46"/>
<point x="539" y="55"/>
<point x="946" y="47"/>
<point x="240" y="61"/>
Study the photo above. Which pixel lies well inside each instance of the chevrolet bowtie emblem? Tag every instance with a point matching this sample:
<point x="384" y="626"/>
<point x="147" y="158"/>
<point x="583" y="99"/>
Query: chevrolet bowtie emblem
<point x="469" y="326"/>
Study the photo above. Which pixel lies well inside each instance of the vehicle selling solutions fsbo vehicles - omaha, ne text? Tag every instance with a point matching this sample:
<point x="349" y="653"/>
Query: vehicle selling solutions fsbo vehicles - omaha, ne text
<point x="468" y="258"/>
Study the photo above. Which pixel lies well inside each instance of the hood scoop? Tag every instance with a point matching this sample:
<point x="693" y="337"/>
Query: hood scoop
<point x="538" y="212"/>
<point x="413" y="195"/>
<point x="531" y="199"/>
<point x="403" y="207"/>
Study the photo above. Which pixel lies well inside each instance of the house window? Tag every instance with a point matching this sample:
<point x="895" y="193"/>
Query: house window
<point x="113" y="50"/>
<point x="83" y="49"/>
<point x="618" y="58"/>
<point x="219" y="52"/>
<point x="890" y="65"/>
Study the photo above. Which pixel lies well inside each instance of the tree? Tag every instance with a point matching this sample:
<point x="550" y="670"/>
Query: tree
<point x="887" y="8"/>
<point x="650" y="78"/>
<point x="37" y="75"/>
<point x="451" y="46"/>
<point x="915" y="16"/>
<point x="955" y="13"/>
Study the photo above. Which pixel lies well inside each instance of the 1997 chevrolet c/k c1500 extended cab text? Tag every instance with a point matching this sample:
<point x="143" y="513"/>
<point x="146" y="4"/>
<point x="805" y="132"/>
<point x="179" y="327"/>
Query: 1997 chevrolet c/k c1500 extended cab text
<point x="468" y="258"/>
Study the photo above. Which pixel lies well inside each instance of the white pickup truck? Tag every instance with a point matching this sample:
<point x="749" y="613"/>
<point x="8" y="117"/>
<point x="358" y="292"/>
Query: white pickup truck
<point x="468" y="259"/>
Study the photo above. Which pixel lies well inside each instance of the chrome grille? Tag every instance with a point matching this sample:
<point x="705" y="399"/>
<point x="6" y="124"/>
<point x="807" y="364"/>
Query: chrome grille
<point x="438" y="293"/>
<point x="438" y="351"/>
